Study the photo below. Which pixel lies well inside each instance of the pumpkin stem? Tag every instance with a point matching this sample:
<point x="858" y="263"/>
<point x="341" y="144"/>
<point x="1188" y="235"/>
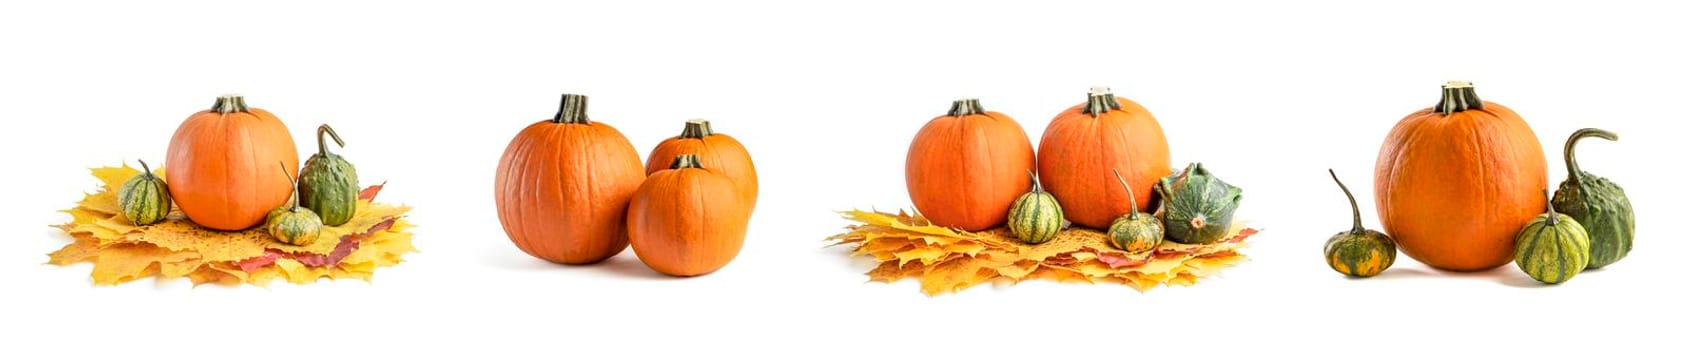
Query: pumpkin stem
<point x="1570" y="149"/>
<point x="1101" y="101"/>
<point x="696" y="129"/>
<point x="295" y="182"/>
<point x="1357" y="227"/>
<point x="322" y="144"/>
<point x="1551" y="214"/>
<point x="968" y="106"/>
<point x="146" y="170"/>
<point x="1128" y="192"/>
<point x="230" y="103"/>
<point x="686" y="161"/>
<point x="573" y="110"/>
<point x="1457" y="96"/>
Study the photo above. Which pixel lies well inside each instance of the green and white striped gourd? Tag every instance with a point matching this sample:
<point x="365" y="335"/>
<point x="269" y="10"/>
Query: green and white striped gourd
<point x="1552" y="248"/>
<point x="328" y="183"/>
<point x="1036" y="216"/>
<point x="145" y="198"/>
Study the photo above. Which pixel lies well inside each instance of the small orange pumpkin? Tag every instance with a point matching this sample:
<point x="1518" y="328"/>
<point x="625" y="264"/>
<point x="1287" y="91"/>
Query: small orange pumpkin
<point x="221" y="163"/>
<point x="1457" y="181"/>
<point x="965" y="168"/>
<point x="716" y="151"/>
<point x="563" y="186"/>
<point x="687" y="221"/>
<point x="1085" y="142"/>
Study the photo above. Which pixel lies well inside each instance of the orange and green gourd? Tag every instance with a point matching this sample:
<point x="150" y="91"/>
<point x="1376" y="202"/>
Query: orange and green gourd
<point x="293" y="224"/>
<point x="1358" y="252"/>
<point x="1136" y="232"/>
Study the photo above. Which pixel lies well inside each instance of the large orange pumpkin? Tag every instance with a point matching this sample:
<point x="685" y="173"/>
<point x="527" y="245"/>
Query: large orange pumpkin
<point x="716" y="151"/>
<point x="563" y="186"/>
<point x="222" y="165"/>
<point x="966" y="167"/>
<point x="1082" y="146"/>
<point x="688" y="220"/>
<point x="1457" y="181"/>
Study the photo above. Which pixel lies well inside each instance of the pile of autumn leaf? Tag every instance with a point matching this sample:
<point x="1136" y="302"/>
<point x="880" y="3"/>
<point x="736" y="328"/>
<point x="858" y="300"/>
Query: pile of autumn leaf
<point x="376" y="237"/>
<point x="946" y="260"/>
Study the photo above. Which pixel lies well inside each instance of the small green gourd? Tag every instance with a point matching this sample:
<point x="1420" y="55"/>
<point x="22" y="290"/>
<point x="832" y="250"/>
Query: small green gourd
<point x="1598" y="204"/>
<point x="328" y="183"/>
<point x="1358" y="252"/>
<point x="145" y="198"/>
<point x="1197" y="206"/>
<point x="1035" y="217"/>
<point x="1553" y="247"/>
<point x="293" y="224"/>
<point x="1136" y="232"/>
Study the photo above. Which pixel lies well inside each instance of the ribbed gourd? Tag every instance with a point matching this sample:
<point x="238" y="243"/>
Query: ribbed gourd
<point x="144" y="199"/>
<point x="293" y="224"/>
<point x="1197" y="206"/>
<point x="1598" y="204"/>
<point x="1552" y="248"/>
<point x="328" y="183"/>
<point x="1036" y="216"/>
<point x="1136" y="232"/>
<point x="1358" y="252"/>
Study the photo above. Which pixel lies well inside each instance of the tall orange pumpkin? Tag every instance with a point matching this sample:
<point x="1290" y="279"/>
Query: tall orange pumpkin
<point x="1082" y="146"/>
<point x="563" y="186"/>
<point x="688" y="220"/>
<point x="1455" y="182"/>
<point x="222" y="165"/>
<point x="966" y="167"/>
<point x="716" y="151"/>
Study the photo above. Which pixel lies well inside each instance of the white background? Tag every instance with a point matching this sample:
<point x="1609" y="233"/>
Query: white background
<point x="827" y="95"/>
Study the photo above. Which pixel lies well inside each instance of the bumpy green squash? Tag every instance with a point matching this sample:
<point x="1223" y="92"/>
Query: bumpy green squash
<point x="1552" y="248"/>
<point x="1197" y="206"/>
<point x="1135" y="232"/>
<point x="1035" y="217"/>
<point x="144" y="199"/>
<point x="1358" y="252"/>
<point x="293" y="224"/>
<point x="328" y="183"/>
<point x="1598" y="204"/>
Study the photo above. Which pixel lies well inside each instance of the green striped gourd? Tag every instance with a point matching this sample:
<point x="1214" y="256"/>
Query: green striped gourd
<point x="1358" y="252"/>
<point x="1135" y="232"/>
<point x="294" y="224"/>
<point x="144" y="199"/>
<point x="1598" y="204"/>
<point x="1197" y="206"/>
<point x="1552" y="248"/>
<point x="328" y="183"/>
<point x="1035" y="217"/>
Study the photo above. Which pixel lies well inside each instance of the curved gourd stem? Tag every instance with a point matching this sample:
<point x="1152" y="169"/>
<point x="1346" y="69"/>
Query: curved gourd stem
<point x="1570" y="149"/>
<point x="686" y="161"/>
<point x="293" y="181"/>
<point x="146" y="170"/>
<point x="968" y="106"/>
<point x="322" y="144"/>
<point x="1457" y="96"/>
<point x="1036" y="184"/>
<point x="1551" y="214"/>
<point x="696" y="129"/>
<point x="1357" y="226"/>
<point x="230" y="103"/>
<point x="1101" y="101"/>
<point x="573" y="110"/>
<point x="1128" y="192"/>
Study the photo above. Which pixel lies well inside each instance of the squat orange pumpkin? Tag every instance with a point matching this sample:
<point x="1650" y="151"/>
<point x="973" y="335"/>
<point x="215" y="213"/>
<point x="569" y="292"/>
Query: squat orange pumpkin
<point x="1083" y="145"/>
<point x="222" y="165"/>
<point x="715" y="151"/>
<point x="687" y="221"/>
<point x="563" y="186"/>
<point x="965" y="168"/>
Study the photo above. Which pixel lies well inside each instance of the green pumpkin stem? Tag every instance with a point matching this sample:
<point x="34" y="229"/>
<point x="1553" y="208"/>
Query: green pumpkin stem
<point x="1128" y="192"/>
<point x="966" y="107"/>
<point x="1570" y="149"/>
<point x="1457" y="96"/>
<point x="1101" y="101"/>
<point x="1357" y="226"/>
<point x="696" y="129"/>
<point x="230" y="103"/>
<point x="322" y="144"/>
<point x="1036" y="184"/>
<point x="146" y="170"/>
<point x="1551" y="214"/>
<point x="686" y="161"/>
<point x="295" y="182"/>
<point x="573" y="110"/>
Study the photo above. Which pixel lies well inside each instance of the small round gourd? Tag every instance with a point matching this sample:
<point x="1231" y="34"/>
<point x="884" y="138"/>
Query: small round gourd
<point x="144" y="199"/>
<point x="1358" y="252"/>
<point x="1036" y="216"/>
<point x="293" y="224"/>
<point x="1136" y="232"/>
<point x="1597" y="203"/>
<point x="1552" y="248"/>
<point x="328" y="183"/>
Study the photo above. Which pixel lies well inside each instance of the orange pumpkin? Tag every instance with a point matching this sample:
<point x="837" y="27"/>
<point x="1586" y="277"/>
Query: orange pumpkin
<point x="716" y="151"/>
<point x="1457" y="181"/>
<point x="563" y="186"/>
<point x="965" y="168"/>
<point x="1083" y="144"/>
<point x="222" y="165"/>
<point x="687" y="221"/>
